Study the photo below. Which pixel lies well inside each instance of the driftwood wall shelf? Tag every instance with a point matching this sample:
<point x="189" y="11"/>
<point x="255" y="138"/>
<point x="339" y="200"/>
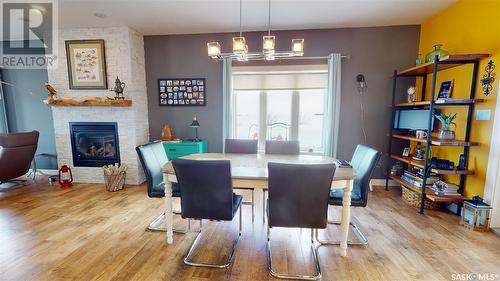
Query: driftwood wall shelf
<point x="67" y="102"/>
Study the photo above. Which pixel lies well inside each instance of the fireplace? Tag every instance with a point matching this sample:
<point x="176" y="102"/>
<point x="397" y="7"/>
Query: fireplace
<point x="94" y="144"/>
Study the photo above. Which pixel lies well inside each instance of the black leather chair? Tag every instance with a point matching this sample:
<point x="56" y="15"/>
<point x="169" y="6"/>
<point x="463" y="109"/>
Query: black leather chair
<point x="363" y="162"/>
<point x="153" y="157"/>
<point x="278" y="147"/>
<point x="207" y="193"/>
<point x="241" y="146"/>
<point x="298" y="198"/>
<point x="282" y="147"/>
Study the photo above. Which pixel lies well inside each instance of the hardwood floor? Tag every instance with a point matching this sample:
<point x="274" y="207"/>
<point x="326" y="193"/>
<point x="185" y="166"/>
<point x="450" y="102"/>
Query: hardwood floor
<point x="87" y="233"/>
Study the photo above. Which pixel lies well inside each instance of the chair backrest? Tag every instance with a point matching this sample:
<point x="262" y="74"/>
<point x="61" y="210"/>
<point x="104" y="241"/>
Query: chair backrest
<point x="17" y="151"/>
<point x="363" y="162"/>
<point x="206" y="188"/>
<point x="153" y="157"/>
<point x="298" y="194"/>
<point x="282" y="147"/>
<point x="240" y="146"/>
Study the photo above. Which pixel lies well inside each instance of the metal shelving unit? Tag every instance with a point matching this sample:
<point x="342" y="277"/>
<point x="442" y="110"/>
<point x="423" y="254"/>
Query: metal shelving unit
<point x="422" y="71"/>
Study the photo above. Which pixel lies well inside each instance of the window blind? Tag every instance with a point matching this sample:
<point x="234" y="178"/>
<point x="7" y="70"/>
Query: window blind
<point x="280" y="78"/>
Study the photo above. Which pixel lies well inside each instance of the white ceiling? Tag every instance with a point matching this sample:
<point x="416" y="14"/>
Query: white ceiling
<point x="155" y="17"/>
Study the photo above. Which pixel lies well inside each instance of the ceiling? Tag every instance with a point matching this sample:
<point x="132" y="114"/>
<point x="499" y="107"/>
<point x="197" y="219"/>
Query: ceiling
<point x="155" y="17"/>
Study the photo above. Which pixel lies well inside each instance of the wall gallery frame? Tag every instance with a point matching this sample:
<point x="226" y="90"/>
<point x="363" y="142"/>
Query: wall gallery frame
<point x="86" y="61"/>
<point x="182" y="92"/>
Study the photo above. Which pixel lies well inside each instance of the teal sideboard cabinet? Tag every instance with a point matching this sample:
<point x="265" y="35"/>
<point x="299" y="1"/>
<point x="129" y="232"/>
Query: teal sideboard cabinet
<point x="179" y="149"/>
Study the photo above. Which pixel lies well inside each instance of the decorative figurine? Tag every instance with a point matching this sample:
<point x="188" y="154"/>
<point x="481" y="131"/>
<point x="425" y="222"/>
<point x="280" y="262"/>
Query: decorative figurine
<point x="51" y="92"/>
<point x="167" y="133"/>
<point x="419" y="153"/>
<point x="488" y="78"/>
<point x="118" y="89"/>
<point x="411" y="93"/>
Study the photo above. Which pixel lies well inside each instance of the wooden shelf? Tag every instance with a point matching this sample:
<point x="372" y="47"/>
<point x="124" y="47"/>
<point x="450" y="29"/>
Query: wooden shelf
<point x="429" y="193"/>
<point x="435" y="141"/>
<point x="67" y="102"/>
<point x="447" y="102"/>
<point x="450" y="61"/>
<point x="420" y="164"/>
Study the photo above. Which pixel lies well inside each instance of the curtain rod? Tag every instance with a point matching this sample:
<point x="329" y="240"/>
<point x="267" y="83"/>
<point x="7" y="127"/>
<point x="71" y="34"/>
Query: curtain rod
<point x="314" y="58"/>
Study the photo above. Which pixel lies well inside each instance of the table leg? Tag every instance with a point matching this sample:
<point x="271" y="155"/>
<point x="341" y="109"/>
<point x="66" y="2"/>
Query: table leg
<point x="346" y="213"/>
<point x="168" y="210"/>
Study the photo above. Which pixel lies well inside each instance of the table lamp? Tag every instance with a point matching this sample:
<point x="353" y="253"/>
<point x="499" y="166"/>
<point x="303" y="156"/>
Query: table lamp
<point x="195" y="124"/>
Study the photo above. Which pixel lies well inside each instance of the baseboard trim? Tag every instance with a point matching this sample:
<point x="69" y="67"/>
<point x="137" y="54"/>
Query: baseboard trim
<point x="381" y="182"/>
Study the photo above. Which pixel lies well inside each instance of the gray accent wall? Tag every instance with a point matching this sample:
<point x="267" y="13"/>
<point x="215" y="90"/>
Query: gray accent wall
<point x="374" y="52"/>
<point x="26" y="110"/>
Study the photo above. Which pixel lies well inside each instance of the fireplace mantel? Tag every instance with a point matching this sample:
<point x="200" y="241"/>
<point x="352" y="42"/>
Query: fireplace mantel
<point x="68" y="102"/>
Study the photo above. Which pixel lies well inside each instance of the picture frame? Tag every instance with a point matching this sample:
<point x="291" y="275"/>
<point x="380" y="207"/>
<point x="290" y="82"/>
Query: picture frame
<point x="406" y="152"/>
<point x="86" y="61"/>
<point x="182" y="92"/>
<point x="445" y="89"/>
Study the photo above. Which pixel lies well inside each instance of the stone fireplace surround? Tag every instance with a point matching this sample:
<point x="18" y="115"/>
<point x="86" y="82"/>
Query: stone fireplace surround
<point x="124" y="58"/>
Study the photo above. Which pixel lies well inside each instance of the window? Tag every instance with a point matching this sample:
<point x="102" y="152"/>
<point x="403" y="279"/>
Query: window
<point x="285" y="105"/>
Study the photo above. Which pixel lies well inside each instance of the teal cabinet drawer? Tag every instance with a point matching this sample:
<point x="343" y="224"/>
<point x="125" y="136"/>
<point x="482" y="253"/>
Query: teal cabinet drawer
<point x="175" y="150"/>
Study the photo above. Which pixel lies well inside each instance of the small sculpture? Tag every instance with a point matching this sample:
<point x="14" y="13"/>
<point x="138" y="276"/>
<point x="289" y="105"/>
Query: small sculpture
<point x="411" y="93"/>
<point x="167" y="133"/>
<point x="118" y="89"/>
<point x="51" y="92"/>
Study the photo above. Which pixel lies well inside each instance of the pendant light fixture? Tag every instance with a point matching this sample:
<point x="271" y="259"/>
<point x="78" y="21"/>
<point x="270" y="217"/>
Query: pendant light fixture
<point x="240" y="47"/>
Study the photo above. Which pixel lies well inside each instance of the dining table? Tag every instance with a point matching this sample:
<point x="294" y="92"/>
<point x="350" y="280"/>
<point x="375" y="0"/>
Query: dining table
<point x="250" y="171"/>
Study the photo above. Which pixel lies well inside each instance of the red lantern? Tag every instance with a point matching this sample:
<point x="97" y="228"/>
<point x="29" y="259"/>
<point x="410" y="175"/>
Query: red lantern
<point x="65" y="177"/>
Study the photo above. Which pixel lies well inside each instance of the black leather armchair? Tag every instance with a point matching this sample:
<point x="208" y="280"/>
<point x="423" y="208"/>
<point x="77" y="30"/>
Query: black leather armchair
<point x="153" y="157"/>
<point x="207" y="193"/>
<point x="363" y="162"/>
<point x="298" y="197"/>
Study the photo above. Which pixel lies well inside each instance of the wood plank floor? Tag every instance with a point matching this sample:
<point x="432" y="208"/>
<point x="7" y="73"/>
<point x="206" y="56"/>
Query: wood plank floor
<point x="87" y="233"/>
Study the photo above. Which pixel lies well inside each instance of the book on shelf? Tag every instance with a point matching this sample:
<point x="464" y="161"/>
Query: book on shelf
<point x="417" y="181"/>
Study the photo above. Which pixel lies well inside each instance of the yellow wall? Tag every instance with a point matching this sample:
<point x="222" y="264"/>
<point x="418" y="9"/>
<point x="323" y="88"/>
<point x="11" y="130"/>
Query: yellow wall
<point x="468" y="26"/>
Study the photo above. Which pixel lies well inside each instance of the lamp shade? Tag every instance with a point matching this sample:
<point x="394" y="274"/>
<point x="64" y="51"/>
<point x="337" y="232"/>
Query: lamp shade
<point x="298" y="46"/>
<point x="214" y="49"/>
<point x="195" y="123"/>
<point x="239" y="45"/>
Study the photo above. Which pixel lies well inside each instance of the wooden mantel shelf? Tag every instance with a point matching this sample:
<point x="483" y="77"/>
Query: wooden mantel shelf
<point x="67" y="102"/>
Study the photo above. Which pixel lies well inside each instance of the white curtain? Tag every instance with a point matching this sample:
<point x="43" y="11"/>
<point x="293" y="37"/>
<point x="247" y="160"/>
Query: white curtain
<point x="332" y="107"/>
<point x="227" y="121"/>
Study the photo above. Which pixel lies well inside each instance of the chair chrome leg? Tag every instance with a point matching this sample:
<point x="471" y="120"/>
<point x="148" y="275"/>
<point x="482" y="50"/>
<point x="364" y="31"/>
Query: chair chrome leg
<point x="264" y="205"/>
<point x="361" y="237"/>
<point x="229" y="260"/>
<point x="153" y="226"/>
<point x="288" y="276"/>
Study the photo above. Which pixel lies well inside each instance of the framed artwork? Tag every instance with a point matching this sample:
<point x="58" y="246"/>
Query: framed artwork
<point x="182" y="92"/>
<point x="445" y="89"/>
<point x="86" y="64"/>
<point x="406" y="152"/>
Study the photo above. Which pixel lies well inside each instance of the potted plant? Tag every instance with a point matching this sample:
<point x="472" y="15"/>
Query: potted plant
<point x="446" y="120"/>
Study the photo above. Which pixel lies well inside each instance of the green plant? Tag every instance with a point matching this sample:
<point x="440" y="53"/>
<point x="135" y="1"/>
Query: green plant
<point x="446" y="120"/>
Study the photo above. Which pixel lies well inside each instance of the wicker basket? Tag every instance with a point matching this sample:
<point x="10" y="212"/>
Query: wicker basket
<point x="115" y="182"/>
<point x="412" y="198"/>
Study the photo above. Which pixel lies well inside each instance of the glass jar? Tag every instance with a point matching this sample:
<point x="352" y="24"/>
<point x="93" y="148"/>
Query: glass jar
<point x="437" y="51"/>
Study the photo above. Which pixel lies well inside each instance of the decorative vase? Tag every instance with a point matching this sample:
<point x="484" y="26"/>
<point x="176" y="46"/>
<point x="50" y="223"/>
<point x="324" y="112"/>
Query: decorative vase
<point x="446" y="135"/>
<point x="437" y="51"/>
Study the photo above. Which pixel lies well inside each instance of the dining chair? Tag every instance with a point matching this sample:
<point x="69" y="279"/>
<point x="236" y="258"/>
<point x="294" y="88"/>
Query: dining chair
<point x="278" y="147"/>
<point x="207" y="193"/>
<point x="363" y="163"/>
<point x="242" y="146"/>
<point x="298" y="198"/>
<point x="153" y="157"/>
<point x="282" y="147"/>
